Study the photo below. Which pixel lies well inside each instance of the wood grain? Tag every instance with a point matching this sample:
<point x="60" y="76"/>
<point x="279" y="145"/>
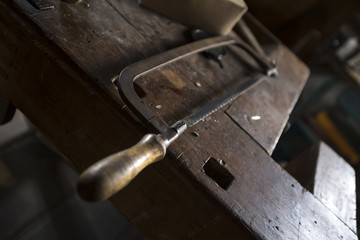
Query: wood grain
<point x="330" y="178"/>
<point x="66" y="59"/>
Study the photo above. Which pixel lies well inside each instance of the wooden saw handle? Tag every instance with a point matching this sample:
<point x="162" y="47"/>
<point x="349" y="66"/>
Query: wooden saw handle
<point x="106" y="177"/>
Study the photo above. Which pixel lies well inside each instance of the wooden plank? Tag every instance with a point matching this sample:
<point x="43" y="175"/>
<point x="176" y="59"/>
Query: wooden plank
<point x="271" y="202"/>
<point x="128" y="31"/>
<point x="103" y="46"/>
<point x="330" y="178"/>
<point x="335" y="185"/>
<point x="65" y="88"/>
<point x="72" y="114"/>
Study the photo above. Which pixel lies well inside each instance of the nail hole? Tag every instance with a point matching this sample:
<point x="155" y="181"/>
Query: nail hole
<point x="218" y="173"/>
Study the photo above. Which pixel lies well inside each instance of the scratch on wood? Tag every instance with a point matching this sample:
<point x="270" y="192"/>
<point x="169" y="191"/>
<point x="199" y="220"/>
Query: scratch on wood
<point x="130" y="23"/>
<point x="179" y="156"/>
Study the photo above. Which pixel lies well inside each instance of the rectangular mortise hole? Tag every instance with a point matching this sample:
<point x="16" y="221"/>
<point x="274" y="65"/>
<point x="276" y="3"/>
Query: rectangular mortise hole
<point x="218" y="173"/>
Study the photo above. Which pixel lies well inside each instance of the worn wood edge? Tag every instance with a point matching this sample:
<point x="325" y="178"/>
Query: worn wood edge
<point x="290" y="189"/>
<point x="324" y="152"/>
<point x="305" y="169"/>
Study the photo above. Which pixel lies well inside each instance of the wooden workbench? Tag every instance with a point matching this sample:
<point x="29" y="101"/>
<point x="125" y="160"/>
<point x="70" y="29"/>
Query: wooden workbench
<point x="57" y="66"/>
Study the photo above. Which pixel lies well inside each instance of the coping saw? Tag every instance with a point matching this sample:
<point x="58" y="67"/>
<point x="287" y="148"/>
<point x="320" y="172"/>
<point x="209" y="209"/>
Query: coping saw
<point x="106" y="177"/>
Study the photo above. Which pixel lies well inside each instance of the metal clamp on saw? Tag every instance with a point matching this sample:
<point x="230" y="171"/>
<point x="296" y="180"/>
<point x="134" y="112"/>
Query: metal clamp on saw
<point x="106" y="177"/>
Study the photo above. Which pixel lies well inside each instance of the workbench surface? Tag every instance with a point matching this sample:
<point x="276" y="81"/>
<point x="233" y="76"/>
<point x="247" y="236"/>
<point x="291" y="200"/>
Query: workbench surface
<point x="58" y="68"/>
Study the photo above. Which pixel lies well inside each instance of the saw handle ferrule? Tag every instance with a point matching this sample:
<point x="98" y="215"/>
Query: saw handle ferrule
<point x="106" y="177"/>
